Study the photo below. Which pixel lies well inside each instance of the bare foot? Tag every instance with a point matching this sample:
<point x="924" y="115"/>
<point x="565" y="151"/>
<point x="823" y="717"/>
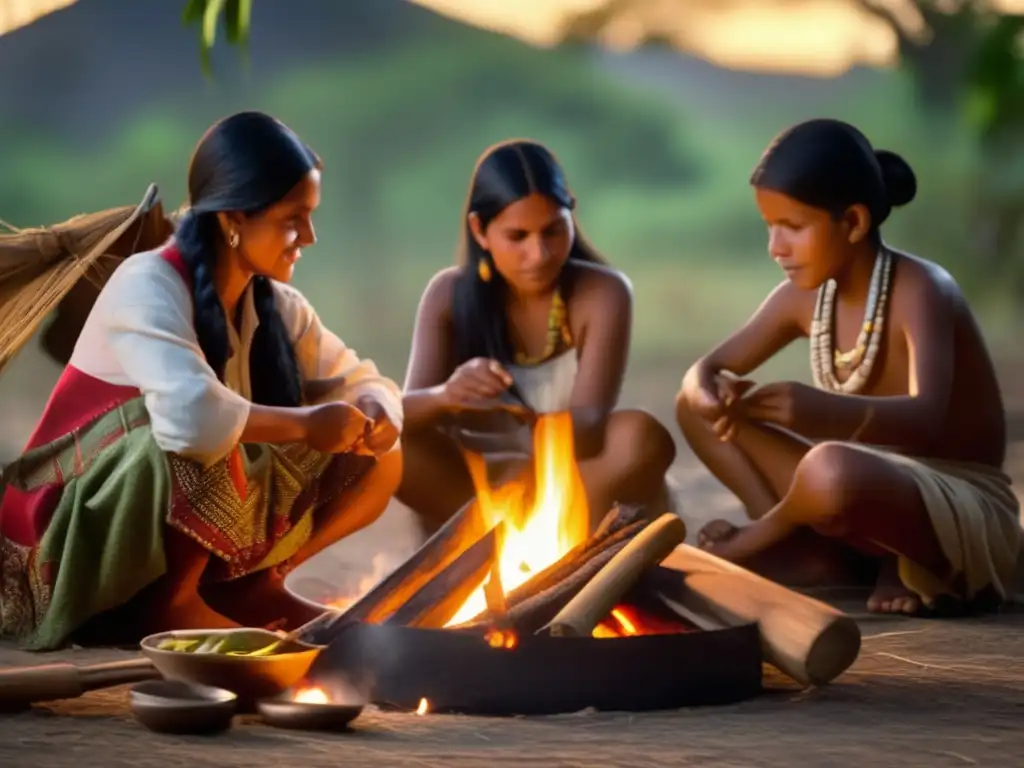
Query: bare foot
<point x="890" y="596"/>
<point x="716" y="532"/>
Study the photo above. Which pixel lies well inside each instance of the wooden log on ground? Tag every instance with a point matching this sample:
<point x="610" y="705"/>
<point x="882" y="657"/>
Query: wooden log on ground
<point x="604" y="591"/>
<point x="806" y="639"/>
<point x="439" y="599"/>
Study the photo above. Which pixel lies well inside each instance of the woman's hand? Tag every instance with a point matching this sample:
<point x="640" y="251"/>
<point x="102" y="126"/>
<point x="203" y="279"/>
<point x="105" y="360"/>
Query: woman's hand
<point x="714" y="395"/>
<point x="382" y="434"/>
<point x="730" y="390"/>
<point x="789" y="404"/>
<point x="700" y="391"/>
<point x="477" y="379"/>
<point x="336" y="427"/>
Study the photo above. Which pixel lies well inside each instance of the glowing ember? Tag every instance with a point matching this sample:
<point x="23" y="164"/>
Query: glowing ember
<point x="629" y="621"/>
<point x="423" y="708"/>
<point x="502" y="638"/>
<point x="537" y="531"/>
<point x="311" y="696"/>
<point x="628" y="627"/>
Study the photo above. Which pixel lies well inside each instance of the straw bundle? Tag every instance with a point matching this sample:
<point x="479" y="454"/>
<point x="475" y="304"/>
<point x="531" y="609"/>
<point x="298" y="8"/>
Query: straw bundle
<point x="64" y="266"/>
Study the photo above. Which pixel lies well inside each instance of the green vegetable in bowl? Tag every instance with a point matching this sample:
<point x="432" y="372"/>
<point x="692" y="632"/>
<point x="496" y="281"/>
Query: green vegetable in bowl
<point x="226" y="645"/>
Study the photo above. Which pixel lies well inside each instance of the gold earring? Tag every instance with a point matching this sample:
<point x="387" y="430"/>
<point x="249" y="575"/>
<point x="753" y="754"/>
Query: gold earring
<point x="233" y="239"/>
<point x="484" y="270"/>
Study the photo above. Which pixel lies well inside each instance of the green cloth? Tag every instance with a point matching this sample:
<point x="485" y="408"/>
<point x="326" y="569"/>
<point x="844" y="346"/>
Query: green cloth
<point x="106" y="535"/>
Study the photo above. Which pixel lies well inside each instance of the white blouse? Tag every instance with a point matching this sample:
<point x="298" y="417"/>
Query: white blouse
<point x="140" y="333"/>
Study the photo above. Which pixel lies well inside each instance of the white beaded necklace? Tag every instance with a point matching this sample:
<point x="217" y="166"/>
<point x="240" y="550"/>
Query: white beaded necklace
<point x="860" y="360"/>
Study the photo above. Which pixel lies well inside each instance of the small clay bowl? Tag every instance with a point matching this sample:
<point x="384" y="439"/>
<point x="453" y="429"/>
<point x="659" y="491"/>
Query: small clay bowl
<point x="173" y="706"/>
<point x="282" y="712"/>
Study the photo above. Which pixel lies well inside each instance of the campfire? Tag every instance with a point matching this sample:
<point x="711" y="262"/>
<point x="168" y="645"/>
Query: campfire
<point x="516" y="606"/>
<point x="526" y="551"/>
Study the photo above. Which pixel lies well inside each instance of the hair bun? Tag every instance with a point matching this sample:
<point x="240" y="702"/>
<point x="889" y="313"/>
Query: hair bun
<point x="899" y="178"/>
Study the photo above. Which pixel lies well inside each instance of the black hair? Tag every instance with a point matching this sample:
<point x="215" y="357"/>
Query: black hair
<point x="831" y="165"/>
<point x="504" y="174"/>
<point x="244" y="163"/>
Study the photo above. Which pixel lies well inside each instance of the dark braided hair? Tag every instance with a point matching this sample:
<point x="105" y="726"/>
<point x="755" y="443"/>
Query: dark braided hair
<point x="505" y="173"/>
<point x="245" y="163"/>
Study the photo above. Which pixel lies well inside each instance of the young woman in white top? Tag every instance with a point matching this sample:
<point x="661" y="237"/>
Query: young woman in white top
<point x="208" y="433"/>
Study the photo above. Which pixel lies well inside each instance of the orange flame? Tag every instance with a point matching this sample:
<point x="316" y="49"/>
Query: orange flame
<point x="502" y="638"/>
<point x="312" y="695"/>
<point x="539" y="531"/>
<point x="423" y="708"/>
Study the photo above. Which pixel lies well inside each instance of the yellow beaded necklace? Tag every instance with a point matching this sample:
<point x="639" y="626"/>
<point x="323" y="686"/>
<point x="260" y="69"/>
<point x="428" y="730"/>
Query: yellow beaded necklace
<point x="558" y="331"/>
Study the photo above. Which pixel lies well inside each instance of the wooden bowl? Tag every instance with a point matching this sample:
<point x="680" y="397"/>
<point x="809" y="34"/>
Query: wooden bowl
<point x="251" y="678"/>
<point x="173" y="706"/>
<point x="283" y="712"/>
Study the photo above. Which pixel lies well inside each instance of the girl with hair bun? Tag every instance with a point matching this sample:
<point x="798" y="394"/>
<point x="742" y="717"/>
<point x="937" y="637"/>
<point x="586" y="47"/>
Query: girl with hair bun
<point x="208" y="433"/>
<point x="890" y="466"/>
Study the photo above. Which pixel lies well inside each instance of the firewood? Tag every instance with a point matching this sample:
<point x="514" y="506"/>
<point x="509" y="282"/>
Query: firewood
<point x="601" y="593"/>
<point x="438" y="600"/>
<point x="806" y="639"/>
<point x="619" y="517"/>
<point x="565" y="567"/>
<point x="534" y="612"/>
<point x="460" y="532"/>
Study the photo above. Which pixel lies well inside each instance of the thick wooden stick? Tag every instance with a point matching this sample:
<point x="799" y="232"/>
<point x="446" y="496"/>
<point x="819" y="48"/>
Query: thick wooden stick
<point x="536" y="611"/>
<point x="565" y="568"/>
<point x="606" y="589"/>
<point x="434" y="605"/>
<point x="811" y="642"/>
<point x="460" y="532"/>
<point x="22" y="686"/>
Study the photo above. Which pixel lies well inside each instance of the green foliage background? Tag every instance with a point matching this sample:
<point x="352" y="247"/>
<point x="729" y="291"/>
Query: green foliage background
<point x="661" y="180"/>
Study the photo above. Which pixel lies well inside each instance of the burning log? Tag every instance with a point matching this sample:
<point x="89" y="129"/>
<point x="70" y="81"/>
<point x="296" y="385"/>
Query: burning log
<point x="464" y="528"/>
<point x="438" y="600"/>
<point x="617" y="577"/>
<point x="811" y="642"/>
<point x="536" y="611"/>
<point x="563" y="579"/>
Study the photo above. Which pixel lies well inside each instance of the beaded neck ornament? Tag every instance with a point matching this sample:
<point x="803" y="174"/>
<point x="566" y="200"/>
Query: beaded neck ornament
<point x="859" y="361"/>
<point x="558" y="332"/>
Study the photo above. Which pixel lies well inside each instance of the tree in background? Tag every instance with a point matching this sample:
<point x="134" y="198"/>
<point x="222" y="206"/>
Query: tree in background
<point x="964" y="57"/>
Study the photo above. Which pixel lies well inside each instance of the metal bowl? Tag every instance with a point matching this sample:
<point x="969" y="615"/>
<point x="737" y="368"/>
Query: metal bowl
<point x="283" y="712"/>
<point x="457" y="671"/>
<point x="173" y="706"/>
<point x="249" y="677"/>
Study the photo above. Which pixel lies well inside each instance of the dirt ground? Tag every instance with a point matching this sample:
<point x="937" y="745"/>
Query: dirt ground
<point x="923" y="692"/>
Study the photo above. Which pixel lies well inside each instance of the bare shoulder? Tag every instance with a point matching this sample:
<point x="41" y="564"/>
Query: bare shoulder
<point x="788" y="303"/>
<point x="920" y="284"/>
<point x="601" y="287"/>
<point x="436" y="300"/>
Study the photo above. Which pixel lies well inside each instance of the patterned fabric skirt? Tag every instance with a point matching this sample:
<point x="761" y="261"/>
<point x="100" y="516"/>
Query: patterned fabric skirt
<point x="101" y="496"/>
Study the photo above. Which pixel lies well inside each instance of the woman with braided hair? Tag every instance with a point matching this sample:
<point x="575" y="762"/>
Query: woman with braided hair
<point x="893" y="460"/>
<point x="208" y="432"/>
